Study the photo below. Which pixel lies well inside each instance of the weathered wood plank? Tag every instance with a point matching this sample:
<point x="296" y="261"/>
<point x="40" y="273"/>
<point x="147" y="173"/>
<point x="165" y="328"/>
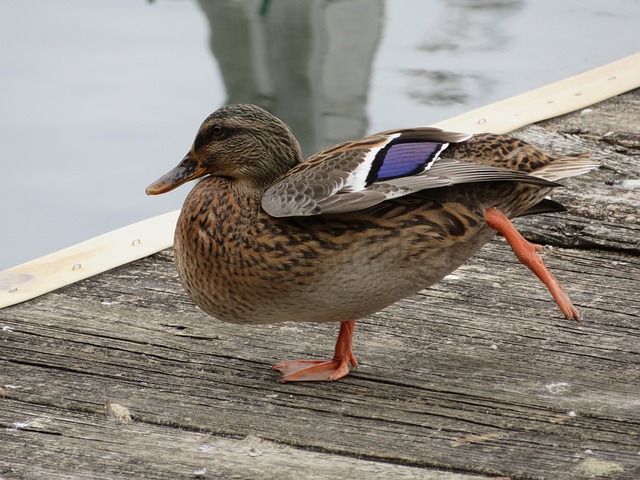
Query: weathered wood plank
<point x="476" y="376"/>
<point x="54" y="443"/>
<point x="603" y="206"/>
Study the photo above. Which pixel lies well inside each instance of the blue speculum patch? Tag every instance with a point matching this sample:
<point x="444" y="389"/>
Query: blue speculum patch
<point x="403" y="159"/>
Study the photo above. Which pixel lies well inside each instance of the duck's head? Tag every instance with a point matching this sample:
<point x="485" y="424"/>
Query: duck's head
<point x="243" y="143"/>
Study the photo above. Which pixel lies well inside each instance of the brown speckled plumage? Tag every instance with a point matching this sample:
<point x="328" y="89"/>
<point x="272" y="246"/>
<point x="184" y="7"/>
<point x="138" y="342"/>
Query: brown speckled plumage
<point x="241" y="264"/>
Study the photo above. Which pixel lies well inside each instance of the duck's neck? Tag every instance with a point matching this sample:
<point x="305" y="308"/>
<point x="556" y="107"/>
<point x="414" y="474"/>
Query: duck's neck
<point x="217" y="207"/>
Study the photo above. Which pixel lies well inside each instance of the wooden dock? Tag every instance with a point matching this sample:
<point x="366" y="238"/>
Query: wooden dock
<point x="121" y="376"/>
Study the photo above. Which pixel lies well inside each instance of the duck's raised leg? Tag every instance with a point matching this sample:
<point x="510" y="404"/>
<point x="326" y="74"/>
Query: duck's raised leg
<point x="528" y="255"/>
<point x="323" y="370"/>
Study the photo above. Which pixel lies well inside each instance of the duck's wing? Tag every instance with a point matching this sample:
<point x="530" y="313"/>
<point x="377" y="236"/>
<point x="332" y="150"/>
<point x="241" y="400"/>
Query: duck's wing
<point x="356" y="175"/>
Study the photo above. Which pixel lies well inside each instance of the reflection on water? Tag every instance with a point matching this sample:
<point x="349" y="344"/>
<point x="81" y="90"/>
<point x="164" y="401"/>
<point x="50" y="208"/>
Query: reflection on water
<point x="471" y="24"/>
<point x="307" y="62"/>
<point x="443" y="87"/>
<point x="94" y="111"/>
<point x="463" y="24"/>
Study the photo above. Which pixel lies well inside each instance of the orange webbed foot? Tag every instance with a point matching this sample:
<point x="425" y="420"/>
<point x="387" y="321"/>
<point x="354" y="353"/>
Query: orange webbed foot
<point x="528" y="255"/>
<point x="312" y="370"/>
<point x="322" y="370"/>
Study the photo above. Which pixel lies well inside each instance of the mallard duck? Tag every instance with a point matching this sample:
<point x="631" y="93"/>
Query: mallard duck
<point x="266" y="237"/>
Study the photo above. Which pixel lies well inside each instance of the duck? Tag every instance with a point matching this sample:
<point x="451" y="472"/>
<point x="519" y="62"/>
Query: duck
<point x="265" y="236"/>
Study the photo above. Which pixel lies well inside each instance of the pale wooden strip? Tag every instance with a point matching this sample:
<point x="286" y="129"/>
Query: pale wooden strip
<point x="86" y="259"/>
<point x="552" y="100"/>
<point x="144" y="238"/>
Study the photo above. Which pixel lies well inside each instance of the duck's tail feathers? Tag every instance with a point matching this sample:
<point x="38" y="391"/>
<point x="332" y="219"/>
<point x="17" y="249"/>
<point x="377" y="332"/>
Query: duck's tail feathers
<point x="566" y="166"/>
<point x="546" y="205"/>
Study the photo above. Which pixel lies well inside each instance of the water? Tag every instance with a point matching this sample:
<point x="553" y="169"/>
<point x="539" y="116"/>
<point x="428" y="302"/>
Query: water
<point x="100" y="98"/>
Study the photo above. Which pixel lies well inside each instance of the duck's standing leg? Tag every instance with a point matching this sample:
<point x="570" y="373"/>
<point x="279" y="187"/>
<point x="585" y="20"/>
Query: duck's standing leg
<point x="323" y="370"/>
<point x="528" y="255"/>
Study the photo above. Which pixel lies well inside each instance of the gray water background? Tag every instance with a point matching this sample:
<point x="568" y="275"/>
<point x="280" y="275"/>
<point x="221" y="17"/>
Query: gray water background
<point x="99" y="98"/>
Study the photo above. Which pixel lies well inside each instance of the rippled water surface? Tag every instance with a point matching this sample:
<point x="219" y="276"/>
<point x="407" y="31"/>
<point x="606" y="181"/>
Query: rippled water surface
<point x="99" y="98"/>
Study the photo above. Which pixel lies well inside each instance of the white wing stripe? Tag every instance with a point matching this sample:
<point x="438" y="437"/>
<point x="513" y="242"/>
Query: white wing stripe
<point x="358" y="179"/>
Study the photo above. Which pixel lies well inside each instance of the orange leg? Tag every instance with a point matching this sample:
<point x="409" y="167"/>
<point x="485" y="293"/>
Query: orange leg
<point x="528" y="255"/>
<point x="323" y="370"/>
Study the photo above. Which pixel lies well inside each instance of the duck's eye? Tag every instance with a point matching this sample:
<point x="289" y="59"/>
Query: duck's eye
<point x="217" y="131"/>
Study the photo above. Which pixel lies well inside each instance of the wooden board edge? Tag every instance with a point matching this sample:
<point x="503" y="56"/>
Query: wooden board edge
<point x="553" y="100"/>
<point x="85" y="259"/>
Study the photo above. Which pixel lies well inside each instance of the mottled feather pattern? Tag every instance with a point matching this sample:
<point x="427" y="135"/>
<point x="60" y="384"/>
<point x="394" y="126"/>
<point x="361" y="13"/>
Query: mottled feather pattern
<point x="238" y="240"/>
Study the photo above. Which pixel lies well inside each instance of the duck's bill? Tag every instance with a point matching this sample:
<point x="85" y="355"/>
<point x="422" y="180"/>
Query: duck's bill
<point x="187" y="170"/>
